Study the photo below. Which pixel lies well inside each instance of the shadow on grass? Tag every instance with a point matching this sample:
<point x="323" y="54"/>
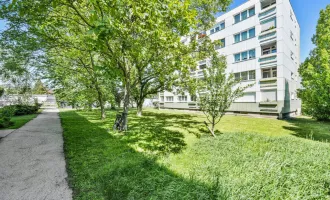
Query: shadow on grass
<point x="309" y="129"/>
<point x="102" y="166"/>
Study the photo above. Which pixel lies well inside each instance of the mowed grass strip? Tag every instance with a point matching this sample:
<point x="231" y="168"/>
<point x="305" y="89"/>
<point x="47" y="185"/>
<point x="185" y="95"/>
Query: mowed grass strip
<point x="170" y="155"/>
<point x="20" y="121"/>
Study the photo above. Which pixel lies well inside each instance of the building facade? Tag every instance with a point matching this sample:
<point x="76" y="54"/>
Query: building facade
<point x="261" y="40"/>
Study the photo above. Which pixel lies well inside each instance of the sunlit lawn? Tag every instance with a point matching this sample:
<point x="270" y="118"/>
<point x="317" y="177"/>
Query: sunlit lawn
<point x="169" y="155"/>
<point x="20" y="121"/>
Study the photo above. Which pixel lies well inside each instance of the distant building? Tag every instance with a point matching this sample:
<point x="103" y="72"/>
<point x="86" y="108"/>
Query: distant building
<point x="261" y="40"/>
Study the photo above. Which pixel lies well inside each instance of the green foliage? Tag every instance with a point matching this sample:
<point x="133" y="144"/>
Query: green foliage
<point x="39" y="88"/>
<point x="2" y="91"/>
<point x="315" y="72"/>
<point x="18" y="110"/>
<point x="6" y="113"/>
<point x="161" y="158"/>
<point x="217" y="91"/>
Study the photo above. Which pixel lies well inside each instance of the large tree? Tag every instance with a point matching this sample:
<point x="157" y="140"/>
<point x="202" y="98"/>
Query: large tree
<point x="134" y="37"/>
<point x="315" y="72"/>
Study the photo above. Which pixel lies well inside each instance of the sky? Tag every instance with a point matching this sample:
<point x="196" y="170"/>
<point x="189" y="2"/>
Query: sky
<point x="307" y="12"/>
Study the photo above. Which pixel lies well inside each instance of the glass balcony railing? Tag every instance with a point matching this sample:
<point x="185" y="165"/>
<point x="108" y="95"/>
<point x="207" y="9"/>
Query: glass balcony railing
<point x="270" y="11"/>
<point x="270" y="58"/>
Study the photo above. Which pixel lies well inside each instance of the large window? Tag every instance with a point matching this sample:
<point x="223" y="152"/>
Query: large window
<point x="246" y="76"/>
<point x="245" y="55"/>
<point x="169" y="99"/>
<point x="269" y="72"/>
<point x="218" y="27"/>
<point x="244" y="15"/>
<point x="182" y="98"/>
<point x="268" y="24"/>
<point x="245" y="35"/>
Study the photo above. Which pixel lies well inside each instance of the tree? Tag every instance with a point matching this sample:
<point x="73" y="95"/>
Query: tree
<point x="217" y="91"/>
<point x="39" y="88"/>
<point x="131" y="36"/>
<point x="315" y="72"/>
<point x="2" y="91"/>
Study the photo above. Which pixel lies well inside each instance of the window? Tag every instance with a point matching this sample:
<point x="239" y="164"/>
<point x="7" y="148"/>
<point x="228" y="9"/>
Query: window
<point x="237" y="76"/>
<point x="269" y="49"/>
<point x="244" y="15"/>
<point x="252" y="75"/>
<point x="182" y="98"/>
<point x="291" y="35"/>
<point x="252" y="53"/>
<point x="244" y="35"/>
<point x="252" y="11"/>
<point x="237" y="18"/>
<point x="252" y="32"/>
<point x="223" y="44"/>
<point x="237" y="38"/>
<point x="218" y="27"/>
<point x="170" y="98"/>
<point x="269" y="73"/>
<point x="292" y="55"/>
<point x="246" y="75"/>
<point x="237" y="57"/>
<point x="162" y="99"/>
<point x="193" y="98"/>
<point x="245" y="55"/>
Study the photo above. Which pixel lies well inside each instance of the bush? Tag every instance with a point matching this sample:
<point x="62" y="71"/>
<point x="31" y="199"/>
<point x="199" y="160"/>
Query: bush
<point x="5" y="115"/>
<point x="25" y="110"/>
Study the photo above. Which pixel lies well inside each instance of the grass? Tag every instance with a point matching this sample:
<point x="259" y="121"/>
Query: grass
<point x="169" y="155"/>
<point x="20" y="121"/>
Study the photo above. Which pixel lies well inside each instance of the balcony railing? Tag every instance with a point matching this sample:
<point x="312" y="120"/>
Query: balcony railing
<point x="268" y="58"/>
<point x="267" y="13"/>
<point x="268" y="36"/>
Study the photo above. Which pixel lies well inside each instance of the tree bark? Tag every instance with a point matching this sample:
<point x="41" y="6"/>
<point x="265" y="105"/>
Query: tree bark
<point x="139" y="107"/>
<point x="126" y="103"/>
<point x="100" y="98"/>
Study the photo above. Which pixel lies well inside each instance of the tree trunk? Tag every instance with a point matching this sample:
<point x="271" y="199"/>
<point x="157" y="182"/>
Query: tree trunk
<point x="100" y="98"/>
<point x="139" y="107"/>
<point x="126" y="104"/>
<point x="211" y="130"/>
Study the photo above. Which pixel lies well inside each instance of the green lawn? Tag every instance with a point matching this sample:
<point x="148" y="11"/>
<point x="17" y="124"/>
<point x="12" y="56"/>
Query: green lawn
<point x="19" y="121"/>
<point x="169" y="155"/>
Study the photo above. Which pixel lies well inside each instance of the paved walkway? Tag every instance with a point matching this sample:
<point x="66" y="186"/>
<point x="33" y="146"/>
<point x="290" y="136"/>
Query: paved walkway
<point x="32" y="164"/>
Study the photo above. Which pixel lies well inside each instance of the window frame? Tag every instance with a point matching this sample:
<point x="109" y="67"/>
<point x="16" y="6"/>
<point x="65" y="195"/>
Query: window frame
<point x="247" y="35"/>
<point x="238" y="75"/>
<point x="248" y="14"/>
<point x="218" y="26"/>
<point x="247" y="55"/>
<point x="271" y="72"/>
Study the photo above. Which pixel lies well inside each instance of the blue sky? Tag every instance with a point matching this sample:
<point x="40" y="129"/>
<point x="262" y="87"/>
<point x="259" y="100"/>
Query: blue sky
<point x="307" y="12"/>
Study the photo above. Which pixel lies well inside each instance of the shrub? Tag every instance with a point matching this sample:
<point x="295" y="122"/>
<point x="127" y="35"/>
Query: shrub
<point x="5" y="115"/>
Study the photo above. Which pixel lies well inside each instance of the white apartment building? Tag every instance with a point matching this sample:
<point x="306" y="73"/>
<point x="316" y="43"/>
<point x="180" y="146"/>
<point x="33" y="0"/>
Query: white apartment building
<point x="261" y="40"/>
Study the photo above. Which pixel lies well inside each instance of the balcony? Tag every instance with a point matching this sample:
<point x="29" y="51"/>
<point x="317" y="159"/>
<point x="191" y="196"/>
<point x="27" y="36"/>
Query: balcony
<point x="267" y="3"/>
<point x="268" y="36"/>
<point x="270" y="11"/>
